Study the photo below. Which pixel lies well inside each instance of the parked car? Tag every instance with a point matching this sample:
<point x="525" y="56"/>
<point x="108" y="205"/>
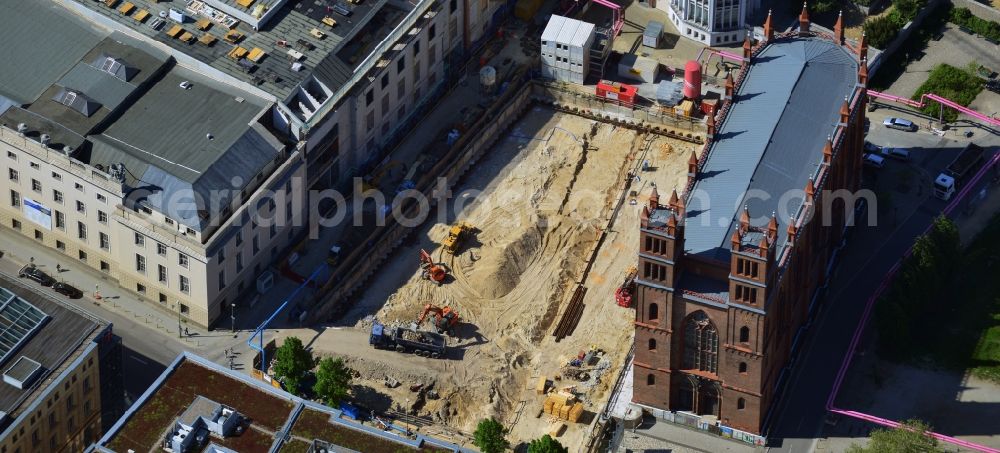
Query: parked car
<point x="67" y="290"/>
<point x="37" y="275"/>
<point x="874" y="161"/>
<point x="872" y="148"/>
<point x="900" y="123"/>
<point x="896" y="153"/>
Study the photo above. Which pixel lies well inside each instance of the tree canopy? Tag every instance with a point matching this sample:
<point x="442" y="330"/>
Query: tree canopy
<point x="546" y="444"/>
<point x="333" y="380"/>
<point x="490" y="436"/>
<point x="292" y="363"/>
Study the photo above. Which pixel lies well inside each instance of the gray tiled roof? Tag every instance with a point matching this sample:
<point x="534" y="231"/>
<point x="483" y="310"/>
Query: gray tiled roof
<point x="771" y="141"/>
<point x="41" y="41"/>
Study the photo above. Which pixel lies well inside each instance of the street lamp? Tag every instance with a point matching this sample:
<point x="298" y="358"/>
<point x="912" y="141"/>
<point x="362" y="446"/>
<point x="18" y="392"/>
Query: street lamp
<point x="176" y="307"/>
<point x="232" y="314"/>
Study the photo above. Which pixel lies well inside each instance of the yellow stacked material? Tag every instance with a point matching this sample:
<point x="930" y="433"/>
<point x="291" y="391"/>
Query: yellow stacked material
<point x="564" y="412"/>
<point x="557" y="430"/>
<point x="575" y="413"/>
<point x="563" y="398"/>
<point x="547" y="407"/>
<point x="540" y="387"/>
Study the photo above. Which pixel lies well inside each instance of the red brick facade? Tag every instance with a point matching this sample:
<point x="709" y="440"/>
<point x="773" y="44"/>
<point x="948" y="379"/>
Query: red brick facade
<point x="721" y="356"/>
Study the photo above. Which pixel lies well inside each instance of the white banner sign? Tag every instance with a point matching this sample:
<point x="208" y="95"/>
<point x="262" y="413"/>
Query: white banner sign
<point x="38" y="213"/>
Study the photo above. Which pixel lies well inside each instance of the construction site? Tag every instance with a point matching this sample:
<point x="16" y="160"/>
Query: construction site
<point x="521" y="276"/>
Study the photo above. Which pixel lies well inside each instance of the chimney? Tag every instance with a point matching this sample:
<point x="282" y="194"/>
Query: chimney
<point x="747" y="49"/>
<point x="672" y="225"/>
<point x="845" y="112"/>
<point x="810" y="190"/>
<point x="772" y="226"/>
<point x="862" y="48"/>
<point x="763" y="247"/>
<point x="768" y="27"/>
<point x="735" y="239"/>
<point x="673" y="199"/>
<point x="710" y="127"/>
<point x="745" y="219"/>
<point x="654" y="199"/>
<point x="863" y="72"/>
<point x="804" y="20"/>
<point x="828" y="151"/>
<point x="730" y="86"/>
<point x="838" y="29"/>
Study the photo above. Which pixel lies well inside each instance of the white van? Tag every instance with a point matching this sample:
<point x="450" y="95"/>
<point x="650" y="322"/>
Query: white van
<point x="875" y="161"/>
<point x="896" y="153"/>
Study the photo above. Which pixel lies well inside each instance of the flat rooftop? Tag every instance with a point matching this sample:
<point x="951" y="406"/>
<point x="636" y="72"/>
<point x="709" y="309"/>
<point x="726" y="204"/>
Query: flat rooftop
<point x="119" y="100"/>
<point x="190" y="380"/>
<point x="770" y="142"/>
<point x="36" y="326"/>
<point x="289" y="28"/>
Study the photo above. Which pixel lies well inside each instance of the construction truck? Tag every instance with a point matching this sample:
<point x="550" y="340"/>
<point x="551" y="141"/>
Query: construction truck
<point x="431" y="270"/>
<point x="456" y="235"/>
<point x="424" y="344"/>
<point x="959" y="171"/>
<point x="625" y="292"/>
<point x="444" y="318"/>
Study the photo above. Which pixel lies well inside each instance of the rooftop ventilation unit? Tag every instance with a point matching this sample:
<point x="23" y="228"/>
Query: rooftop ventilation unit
<point x="185" y="85"/>
<point x="44" y="139"/>
<point x="68" y="150"/>
<point x="22" y="372"/>
<point x="22" y="129"/>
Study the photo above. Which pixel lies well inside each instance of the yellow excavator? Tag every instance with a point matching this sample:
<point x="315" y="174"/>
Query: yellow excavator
<point x="456" y="235"/>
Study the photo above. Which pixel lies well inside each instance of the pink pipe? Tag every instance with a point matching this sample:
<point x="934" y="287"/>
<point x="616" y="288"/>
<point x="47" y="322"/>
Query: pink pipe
<point x="859" y="329"/>
<point x="946" y="102"/>
<point x="617" y="11"/>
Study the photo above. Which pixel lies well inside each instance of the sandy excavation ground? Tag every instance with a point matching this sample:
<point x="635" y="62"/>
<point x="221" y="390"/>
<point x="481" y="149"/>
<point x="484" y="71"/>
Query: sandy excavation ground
<point x="541" y="206"/>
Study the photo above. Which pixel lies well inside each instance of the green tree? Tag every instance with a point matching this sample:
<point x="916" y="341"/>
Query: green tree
<point x="292" y="362"/>
<point x="911" y="436"/>
<point x="880" y="31"/>
<point x="333" y="380"/>
<point x="490" y="436"/>
<point x="546" y="444"/>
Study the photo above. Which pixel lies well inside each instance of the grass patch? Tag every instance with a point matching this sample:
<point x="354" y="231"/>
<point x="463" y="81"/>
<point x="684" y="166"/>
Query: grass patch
<point x="952" y="83"/>
<point x="313" y="424"/>
<point x="963" y="17"/>
<point x="893" y="66"/>
<point x="144" y="429"/>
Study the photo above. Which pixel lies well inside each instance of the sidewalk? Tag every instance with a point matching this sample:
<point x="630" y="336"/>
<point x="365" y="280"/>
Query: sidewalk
<point x="142" y="326"/>
<point x="666" y="436"/>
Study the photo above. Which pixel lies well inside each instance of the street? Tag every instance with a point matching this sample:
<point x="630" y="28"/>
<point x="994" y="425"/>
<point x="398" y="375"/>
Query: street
<point x="801" y="410"/>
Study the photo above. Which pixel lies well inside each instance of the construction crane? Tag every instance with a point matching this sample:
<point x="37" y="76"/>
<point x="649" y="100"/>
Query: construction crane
<point x="431" y="271"/>
<point x="456" y="235"/>
<point x="624" y="293"/>
<point x="444" y="318"/>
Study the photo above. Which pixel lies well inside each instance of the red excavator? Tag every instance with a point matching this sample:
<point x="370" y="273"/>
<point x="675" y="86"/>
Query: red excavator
<point x="444" y="318"/>
<point x="432" y="271"/>
<point x="624" y="293"/>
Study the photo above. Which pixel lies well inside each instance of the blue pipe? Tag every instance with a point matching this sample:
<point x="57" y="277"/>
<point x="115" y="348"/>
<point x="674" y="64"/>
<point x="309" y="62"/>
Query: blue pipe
<point x="259" y="332"/>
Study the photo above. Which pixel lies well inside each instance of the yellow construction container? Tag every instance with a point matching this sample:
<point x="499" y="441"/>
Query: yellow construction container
<point x="685" y="108"/>
<point x="575" y="413"/>
<point x="558" y="430"/>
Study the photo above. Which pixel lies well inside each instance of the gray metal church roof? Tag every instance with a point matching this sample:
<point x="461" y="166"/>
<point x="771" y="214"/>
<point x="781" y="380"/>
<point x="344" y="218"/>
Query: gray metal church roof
<point x="770" y="142"/>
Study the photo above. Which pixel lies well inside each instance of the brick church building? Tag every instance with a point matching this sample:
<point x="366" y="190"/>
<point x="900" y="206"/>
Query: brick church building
<point x="727" y="269"/>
